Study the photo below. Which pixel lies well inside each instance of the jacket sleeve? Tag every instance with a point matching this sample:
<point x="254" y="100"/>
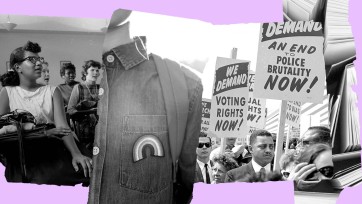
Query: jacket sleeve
<point x="229" y="177"/>
<point x="187" y="159"/>
<point x="73" y="100"/>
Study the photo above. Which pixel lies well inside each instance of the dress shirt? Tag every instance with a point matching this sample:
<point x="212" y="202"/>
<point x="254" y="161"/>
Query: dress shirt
<point x="257" y="167"/>
<point x="202" y="167"/>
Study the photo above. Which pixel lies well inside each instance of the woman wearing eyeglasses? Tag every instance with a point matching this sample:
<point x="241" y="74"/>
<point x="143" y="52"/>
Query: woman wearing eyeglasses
<point x="45" y="103"/>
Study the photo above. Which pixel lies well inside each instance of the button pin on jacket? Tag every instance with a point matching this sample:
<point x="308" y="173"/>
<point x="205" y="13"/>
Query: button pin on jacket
<point x="110" y="58"/>
<point x="101" y="91"/>
<point x="95" y="151"/>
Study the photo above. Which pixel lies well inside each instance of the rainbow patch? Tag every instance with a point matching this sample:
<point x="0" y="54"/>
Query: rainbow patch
<point x="147" y="141"/>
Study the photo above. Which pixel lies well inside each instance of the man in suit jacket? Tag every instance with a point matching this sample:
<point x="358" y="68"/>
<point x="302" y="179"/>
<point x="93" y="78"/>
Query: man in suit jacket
<point x="203" y="169"/>
<point x="262" y="151"/>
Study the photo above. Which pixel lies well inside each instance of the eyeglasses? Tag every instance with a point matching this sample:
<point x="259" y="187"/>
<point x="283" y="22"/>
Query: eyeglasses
<point x="207" y="145"/>
<point x="34" y="59"/>
<point x="327" y="171"/>
<point x="303" y="142"/>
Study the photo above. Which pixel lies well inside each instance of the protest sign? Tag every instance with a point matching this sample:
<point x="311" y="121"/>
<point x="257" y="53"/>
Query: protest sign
<point x="256" y="106"/>
<point x="228" y="116"/>
<point x="251" y="130"/>
<point x="205" y="117"/>
<point x="295" y="132"/>
<point x="251" y="80"/>
<point x="290" y="63"/>
<point x="292" y="116"/>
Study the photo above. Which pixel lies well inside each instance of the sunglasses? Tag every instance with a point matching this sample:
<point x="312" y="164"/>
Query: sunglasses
<point x="327" y="171"/>
<point x="33" y="59"/>
<point x="285" y="174"/>
<point x="207" y="145"/>
<point x="303" y="142"/>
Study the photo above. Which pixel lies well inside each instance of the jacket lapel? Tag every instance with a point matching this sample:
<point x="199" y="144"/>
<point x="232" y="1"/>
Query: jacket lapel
<point x="199" y="176"/>
<point x="250" y="168"/>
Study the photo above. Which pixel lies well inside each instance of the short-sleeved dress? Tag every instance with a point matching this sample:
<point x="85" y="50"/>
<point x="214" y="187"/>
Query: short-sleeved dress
<point x="39" y="103"/>
<point x="85" y="125"/>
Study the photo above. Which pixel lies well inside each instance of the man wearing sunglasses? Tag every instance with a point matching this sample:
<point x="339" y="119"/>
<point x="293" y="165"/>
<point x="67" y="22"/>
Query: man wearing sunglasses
<point x="203" y="167"/>
<point x="314" y="135"/>
<point x="314" y="164"/>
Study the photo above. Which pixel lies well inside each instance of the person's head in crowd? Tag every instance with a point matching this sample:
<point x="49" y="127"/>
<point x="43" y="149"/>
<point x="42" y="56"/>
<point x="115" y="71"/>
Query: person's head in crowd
<point x="230" y="142"/>
<point x="45" y="76"/>
<point x="68" y="73"/>
<point x="287" y="162"/>
<point x="203" y="150"/>
<point x="25" y="65"/>
<point x="315" y="135"/>
<point x="218" y="141"/>
<point x="212" y="142"/>
<point x="292" y="144"/>
<point x="222" y="164"/>
<point x="261" y="147"/>
<point x="90" y="72"/>
<point x="321" y="156"/>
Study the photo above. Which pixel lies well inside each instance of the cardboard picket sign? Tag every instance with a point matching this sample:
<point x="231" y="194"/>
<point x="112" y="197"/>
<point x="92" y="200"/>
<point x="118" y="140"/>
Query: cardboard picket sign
<point x="295" y="132"/>
<point x="290" y="63"/>
<point x="205" y="117"/>
<point x="251" y="81"/>
<point x="292" y="117"/>
<point x="229" y="103"/>
<point x="256" y="106"/>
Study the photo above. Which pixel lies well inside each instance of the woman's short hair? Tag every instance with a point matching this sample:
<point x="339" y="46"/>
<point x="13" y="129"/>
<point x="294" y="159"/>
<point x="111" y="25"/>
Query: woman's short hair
<point x="66" y="66"/>
<point x="287" y="158"/>
<point x="226" y="160"/>
<point x="11" y="77"/>
<point x="87" y="65"/>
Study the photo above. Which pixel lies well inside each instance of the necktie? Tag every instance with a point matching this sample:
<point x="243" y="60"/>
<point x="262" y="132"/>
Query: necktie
<point x="262" y="173"/>
<point x="207" y="174"/>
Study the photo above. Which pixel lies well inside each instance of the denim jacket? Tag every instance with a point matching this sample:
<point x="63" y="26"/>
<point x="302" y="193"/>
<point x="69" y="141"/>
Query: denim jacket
<point x="133" y="159"/>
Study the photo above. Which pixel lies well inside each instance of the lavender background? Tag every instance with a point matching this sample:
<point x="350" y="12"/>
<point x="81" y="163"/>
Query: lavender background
<point x="217" y="12"/>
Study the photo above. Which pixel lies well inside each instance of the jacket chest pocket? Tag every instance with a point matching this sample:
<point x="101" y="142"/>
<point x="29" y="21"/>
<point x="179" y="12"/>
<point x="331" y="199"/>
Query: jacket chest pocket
<point x="145" y="163"/>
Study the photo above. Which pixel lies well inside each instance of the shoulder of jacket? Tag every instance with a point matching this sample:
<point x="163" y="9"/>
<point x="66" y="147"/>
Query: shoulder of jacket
<point x="188" y="72"/>
<point x="240" y="168"/>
